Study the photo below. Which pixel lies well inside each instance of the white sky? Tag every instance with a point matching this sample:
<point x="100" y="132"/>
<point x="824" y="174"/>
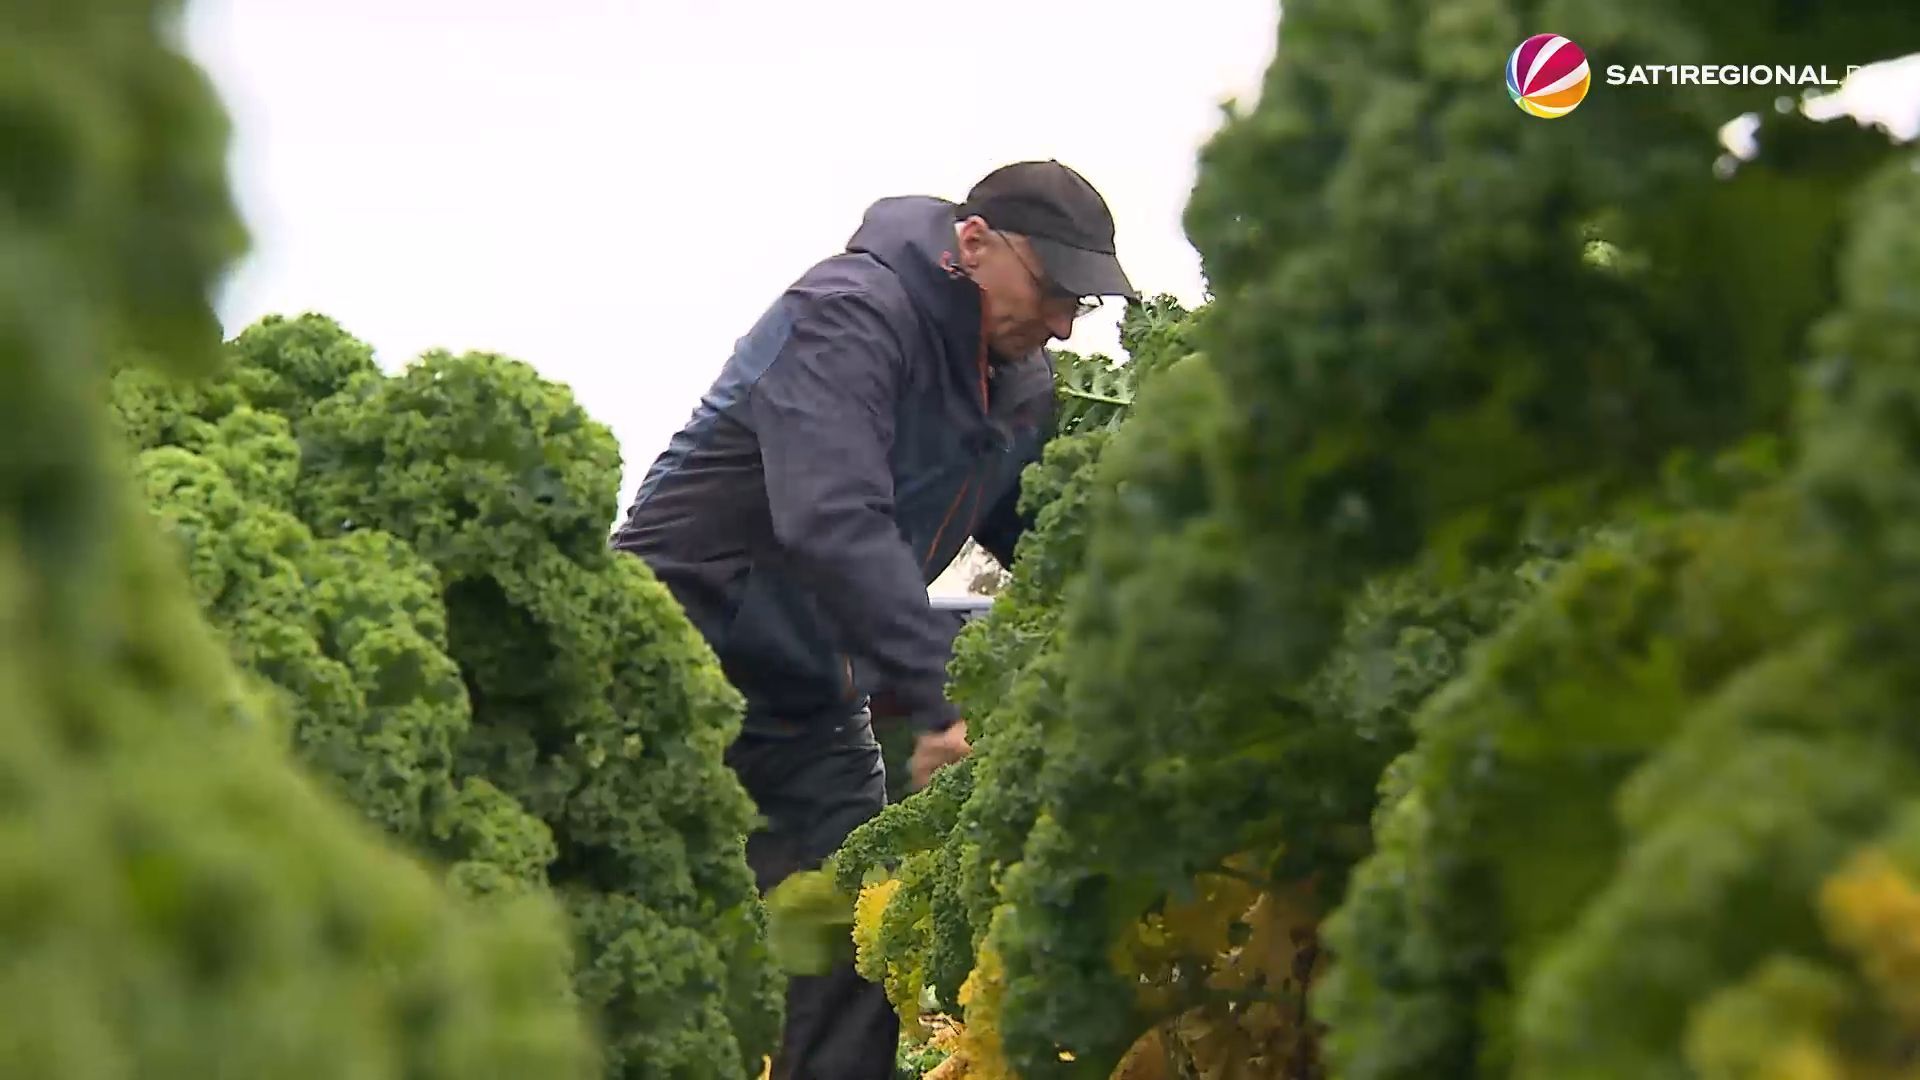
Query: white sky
<point x="612" y="190"/>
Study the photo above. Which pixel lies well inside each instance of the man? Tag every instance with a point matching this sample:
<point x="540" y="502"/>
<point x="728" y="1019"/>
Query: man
<point x="877" y="414"/>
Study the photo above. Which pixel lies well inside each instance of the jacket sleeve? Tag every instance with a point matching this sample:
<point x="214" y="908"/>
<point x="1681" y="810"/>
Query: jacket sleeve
<point x="823" y="411"/>
<point x="1000" y="531"/>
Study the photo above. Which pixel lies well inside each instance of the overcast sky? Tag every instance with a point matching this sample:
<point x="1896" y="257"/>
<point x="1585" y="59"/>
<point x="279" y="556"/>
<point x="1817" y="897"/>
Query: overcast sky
<point x="612" y="190"/>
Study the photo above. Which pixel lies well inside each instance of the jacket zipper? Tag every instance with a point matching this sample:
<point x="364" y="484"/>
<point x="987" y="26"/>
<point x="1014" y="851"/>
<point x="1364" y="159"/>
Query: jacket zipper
<point x="926" y="561"/>
<point x="986" y="412"/>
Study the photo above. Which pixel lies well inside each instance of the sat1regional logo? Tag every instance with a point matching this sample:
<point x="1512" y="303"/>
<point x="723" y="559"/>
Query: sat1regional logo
<point x="1547" y="76"/>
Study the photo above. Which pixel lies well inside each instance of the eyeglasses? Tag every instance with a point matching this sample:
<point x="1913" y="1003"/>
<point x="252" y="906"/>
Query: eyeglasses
<point x="1082" y="305"/>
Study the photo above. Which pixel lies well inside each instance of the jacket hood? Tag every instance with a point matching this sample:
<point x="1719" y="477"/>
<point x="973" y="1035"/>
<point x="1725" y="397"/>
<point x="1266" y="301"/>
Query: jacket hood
<point x="912" y="235"/>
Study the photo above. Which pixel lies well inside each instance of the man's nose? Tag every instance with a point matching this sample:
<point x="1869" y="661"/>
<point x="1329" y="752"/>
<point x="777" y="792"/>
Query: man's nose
<point x="1060" y="324"/>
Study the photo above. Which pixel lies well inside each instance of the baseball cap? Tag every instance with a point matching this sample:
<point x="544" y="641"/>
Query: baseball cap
<point x="1062" y="216"/>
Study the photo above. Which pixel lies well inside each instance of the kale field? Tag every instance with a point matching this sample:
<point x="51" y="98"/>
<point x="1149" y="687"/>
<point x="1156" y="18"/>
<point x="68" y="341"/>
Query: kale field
<point x="1478" y="641"/>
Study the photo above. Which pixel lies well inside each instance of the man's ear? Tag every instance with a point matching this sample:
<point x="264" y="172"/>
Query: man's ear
<point x="973" y="241"/>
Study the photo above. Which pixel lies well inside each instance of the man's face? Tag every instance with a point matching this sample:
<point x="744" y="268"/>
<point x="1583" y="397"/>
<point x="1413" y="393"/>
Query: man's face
<point x="1023" y="310"/>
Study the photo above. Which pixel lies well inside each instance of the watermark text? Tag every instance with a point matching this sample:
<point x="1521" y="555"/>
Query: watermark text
<point x="1725" y="74"/>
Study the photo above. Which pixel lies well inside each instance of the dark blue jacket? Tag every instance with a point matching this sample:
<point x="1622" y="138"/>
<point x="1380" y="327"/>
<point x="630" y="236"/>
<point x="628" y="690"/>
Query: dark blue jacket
<point x="857" y="436"/>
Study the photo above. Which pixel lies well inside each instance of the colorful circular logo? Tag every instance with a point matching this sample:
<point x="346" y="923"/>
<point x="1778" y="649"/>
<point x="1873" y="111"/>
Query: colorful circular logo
<point x="1547" y="76"/>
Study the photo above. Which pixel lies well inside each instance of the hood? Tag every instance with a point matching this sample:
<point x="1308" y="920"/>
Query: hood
<point x="912" y="235"/>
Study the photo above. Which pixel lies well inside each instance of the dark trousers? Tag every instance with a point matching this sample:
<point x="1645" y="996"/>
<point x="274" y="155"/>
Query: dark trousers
<point x="814" y="785"/>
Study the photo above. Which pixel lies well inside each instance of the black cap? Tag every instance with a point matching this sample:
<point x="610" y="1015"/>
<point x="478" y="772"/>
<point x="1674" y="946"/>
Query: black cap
<point x="1064" y="218"/>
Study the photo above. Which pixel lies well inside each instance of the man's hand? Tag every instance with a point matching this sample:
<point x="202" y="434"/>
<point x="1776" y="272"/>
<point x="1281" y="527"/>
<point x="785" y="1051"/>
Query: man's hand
<point x="935" y="750"/>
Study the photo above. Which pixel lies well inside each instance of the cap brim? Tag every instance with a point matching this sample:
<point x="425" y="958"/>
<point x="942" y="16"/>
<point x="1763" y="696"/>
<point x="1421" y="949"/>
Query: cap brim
<point x="1082" y="272"/>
